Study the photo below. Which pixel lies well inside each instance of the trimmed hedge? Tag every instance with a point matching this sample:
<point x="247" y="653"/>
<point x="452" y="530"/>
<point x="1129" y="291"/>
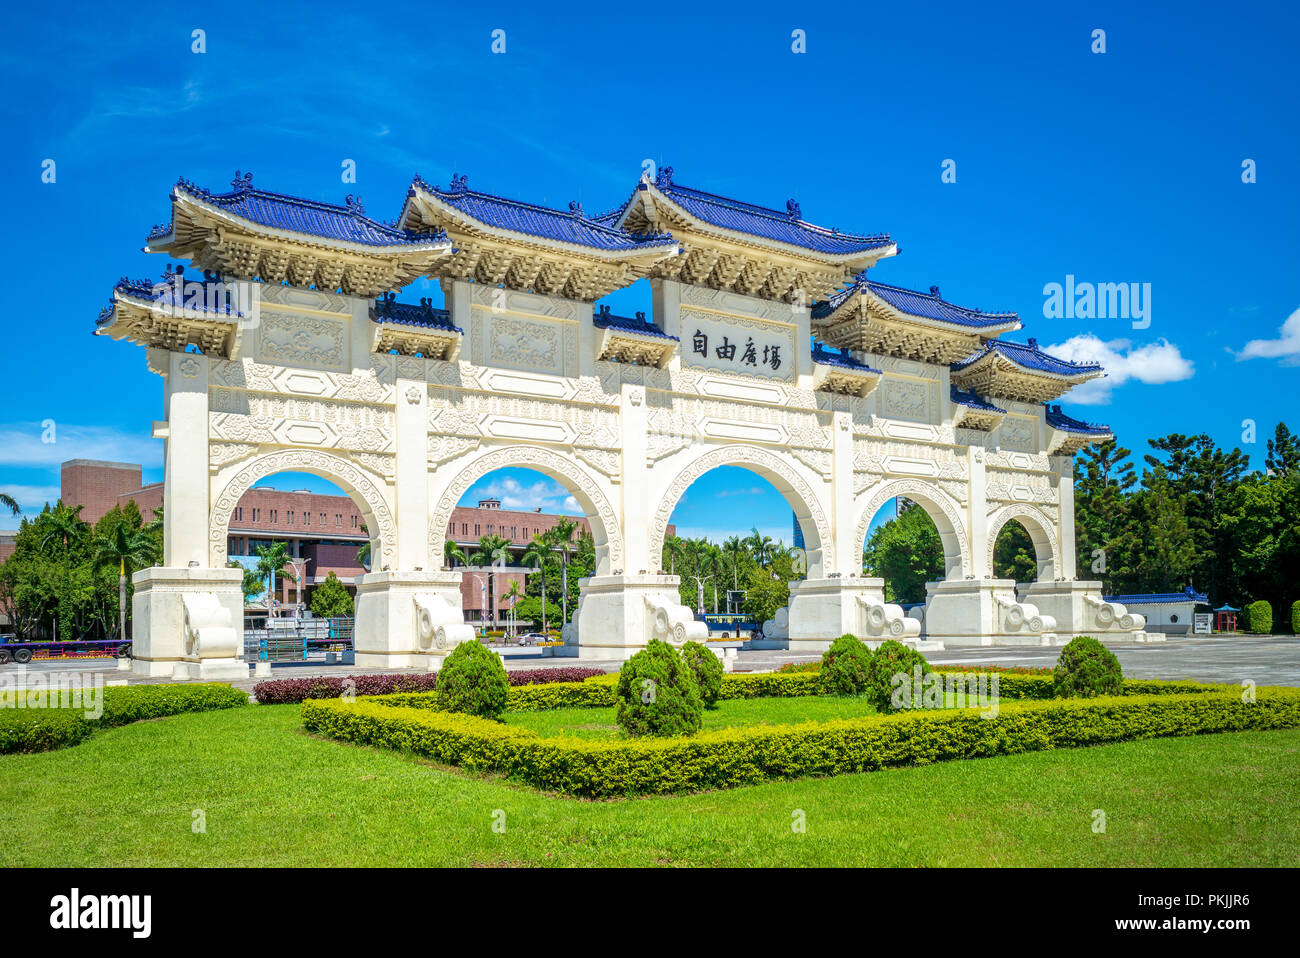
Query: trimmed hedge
<point x="293" y="691"/>
<point x="1295" y="617"/>
<point x="744" y="756"/>
<point x="1259" y="618"/>
<point x="42" y="729"/>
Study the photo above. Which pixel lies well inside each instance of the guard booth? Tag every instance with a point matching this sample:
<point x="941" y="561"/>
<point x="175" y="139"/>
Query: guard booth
<point x="1225" y="618"/>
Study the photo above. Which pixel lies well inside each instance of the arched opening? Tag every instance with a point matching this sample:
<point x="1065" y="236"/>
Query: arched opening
<point x="523" y="522"/>
<point x="736" y="544"/>
<point x="905" y="549"/>
<point x="1013" y="553"/>
<point x="522" y="541"/>
<point x="290" y="532"/>
<point x="1022" y="544"/>
<point x="915" y="501"/>
<point x="739" y="526"/>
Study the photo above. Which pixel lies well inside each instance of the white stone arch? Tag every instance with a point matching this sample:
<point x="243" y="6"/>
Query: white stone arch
<point x="374" y="507"/>
<point x="818" y="537"/>
<point x="1041" y="531"/>
<point x="943" y="512"/>
<point x="606" y="534"/>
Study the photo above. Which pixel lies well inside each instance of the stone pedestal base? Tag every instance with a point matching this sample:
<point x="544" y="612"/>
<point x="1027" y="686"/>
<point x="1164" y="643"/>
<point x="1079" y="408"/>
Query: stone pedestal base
<point x="191" y="617"/>
<point x="1079" y="609"/>
<point x="408" y="619"/>
<point x="618" y="614"/>
<point x="979" y="612"/>
<point x="821" y="610"/>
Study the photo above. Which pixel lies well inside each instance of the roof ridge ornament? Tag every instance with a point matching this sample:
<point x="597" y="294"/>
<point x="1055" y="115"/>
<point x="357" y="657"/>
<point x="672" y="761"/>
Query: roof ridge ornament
<point x="459" y="183"/>
<point x="792" y="207"/>
<point x="664" y="177"/>
<point x="354" y="204"/>
<point x="242" y="182"/>
<point x="575" y="208"/>
<point x="1033" y="342"/>
<point x="934" y="291"/>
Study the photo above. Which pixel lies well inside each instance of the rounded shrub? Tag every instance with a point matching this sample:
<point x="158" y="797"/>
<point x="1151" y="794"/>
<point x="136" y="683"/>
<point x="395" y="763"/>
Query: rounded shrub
<point x="1259" y="618"/>
<point x="1295" y="617"/>
<point x="893" y="659"/>
<point x="657" y="693"/>
<point x="844" y="666"/>
<point x="1087" y="668"/>
<point x="473" y="680"/>
<point x="707" y="669"/>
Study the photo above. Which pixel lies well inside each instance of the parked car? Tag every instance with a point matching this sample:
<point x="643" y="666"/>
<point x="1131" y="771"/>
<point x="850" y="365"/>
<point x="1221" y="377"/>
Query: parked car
<point x="531" y="638"/>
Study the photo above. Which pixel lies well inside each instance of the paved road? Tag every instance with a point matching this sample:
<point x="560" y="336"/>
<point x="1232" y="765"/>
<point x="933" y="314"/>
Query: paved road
<point x="1265" y="660"/>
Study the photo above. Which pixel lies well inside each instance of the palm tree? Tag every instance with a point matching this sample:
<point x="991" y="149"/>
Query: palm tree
<point x="675" y="549"/>
<point x="9" y="502"/>
<point x="735" y="548"/>
<point x="561" y="536"/>
<point x="538" y="551"/>
<point x="363" y="554"/>
<point x="512" y="594"/>
<point x="490" y="550"/>
<point x="62" y="525"/>
<point x="135" y="549"/>
<point x="271" y="561"/>
<point x="452" y="553"/>
<point x="761" y="546"/>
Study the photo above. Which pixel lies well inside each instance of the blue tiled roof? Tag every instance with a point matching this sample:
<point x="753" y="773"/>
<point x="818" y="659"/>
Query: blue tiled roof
<point x="1059" y="420"/>
<point x="531" y="220"/>
<point x="348" y="223"/>
<point x="783" y="227"/>
<point x="820" y="354"/>
<point x="604" y="319"/>
<point x="927" y="305"/>
<point x="972" y="399"/>
<point x="213" y="301"/>
<point x="1029" y="356"/>
<point x="388" y="310"/>
<point x="1160" y="598"/>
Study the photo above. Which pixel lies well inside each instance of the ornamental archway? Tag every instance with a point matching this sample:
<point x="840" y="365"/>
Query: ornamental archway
<point x="943" y="512"/>
<point x="607" y="537"/>
<point x="1041" y="532"/>
<point x="374" y="508"/>
<point x="817" y="533"/>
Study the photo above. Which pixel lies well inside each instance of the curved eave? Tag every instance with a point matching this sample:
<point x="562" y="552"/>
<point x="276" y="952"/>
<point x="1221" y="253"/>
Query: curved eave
<point x="449" y="217"/>
<point x="860" y="258"/>
<point x="861" y="304"/>
<point x="150" y="323"/>
<point x="850" y="379"/>
<point x="187" y="207"/>
<point x="995" y="375"/>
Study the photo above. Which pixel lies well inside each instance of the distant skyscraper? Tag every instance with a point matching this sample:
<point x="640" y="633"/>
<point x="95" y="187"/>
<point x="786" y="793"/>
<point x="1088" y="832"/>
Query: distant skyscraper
<point x="798" y="533"/>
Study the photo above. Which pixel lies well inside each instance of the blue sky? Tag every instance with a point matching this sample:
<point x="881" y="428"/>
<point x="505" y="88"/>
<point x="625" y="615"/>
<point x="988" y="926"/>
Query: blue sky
<point x="1123" y="166"/>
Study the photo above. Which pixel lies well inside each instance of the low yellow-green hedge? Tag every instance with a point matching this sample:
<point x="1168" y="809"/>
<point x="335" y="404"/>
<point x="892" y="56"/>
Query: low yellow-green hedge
<point x="744" y="756"/>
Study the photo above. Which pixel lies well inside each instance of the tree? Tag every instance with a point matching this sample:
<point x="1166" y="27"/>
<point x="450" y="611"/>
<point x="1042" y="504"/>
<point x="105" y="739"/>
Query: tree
<point x="1171" y="551"/>
<point x="907" y="553"/>
<point x="735" y="548"/>
<point x="271" y="561"/>
<point x="123" y="547"/>
<point x="760" y="547"/>
<point x="9" y="502"/>
<point x="537" y="553"/>
<point x="674" y="549"/>
<point x="363" y="554"/>
<point x="1283" y="452"/>
<point x="491" y="551"/>
<point x="561" y="536"/>
<point x="768" y="589"/>
<point x="453" y="553"/>
<point x="330" y="599"/>
<point x="252" y="584"/>
<point x="513" y="595"/>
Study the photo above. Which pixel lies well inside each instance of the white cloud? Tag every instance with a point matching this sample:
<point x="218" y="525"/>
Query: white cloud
<point x="549" y="495"/>
<point x="751" y="491"/>
<point x="1153" y="364"/>
<point x="24" y="444"/>
<point x="1285" y="348"/>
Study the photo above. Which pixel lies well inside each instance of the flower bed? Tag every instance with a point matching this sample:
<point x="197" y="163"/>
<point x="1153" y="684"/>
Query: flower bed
<point x="733" y="757"/>
<point x="292" y="691"/>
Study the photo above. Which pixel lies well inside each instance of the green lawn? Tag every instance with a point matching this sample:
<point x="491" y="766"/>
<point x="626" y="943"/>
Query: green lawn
<point x="601" y="723"/>
<point x="273" y="795"/>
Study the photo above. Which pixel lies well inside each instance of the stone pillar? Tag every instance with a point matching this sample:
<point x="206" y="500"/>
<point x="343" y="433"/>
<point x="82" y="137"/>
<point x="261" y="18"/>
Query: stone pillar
<point x="977" y="513"/>
<point x="411" y="476"/>
<point x="1067" y="562"/>
<point x="408" y="618"/>
<point x="188" y="617"/>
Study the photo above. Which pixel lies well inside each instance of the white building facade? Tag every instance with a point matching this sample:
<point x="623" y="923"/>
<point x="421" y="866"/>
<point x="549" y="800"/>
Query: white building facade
<point x="767" y="348"/>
